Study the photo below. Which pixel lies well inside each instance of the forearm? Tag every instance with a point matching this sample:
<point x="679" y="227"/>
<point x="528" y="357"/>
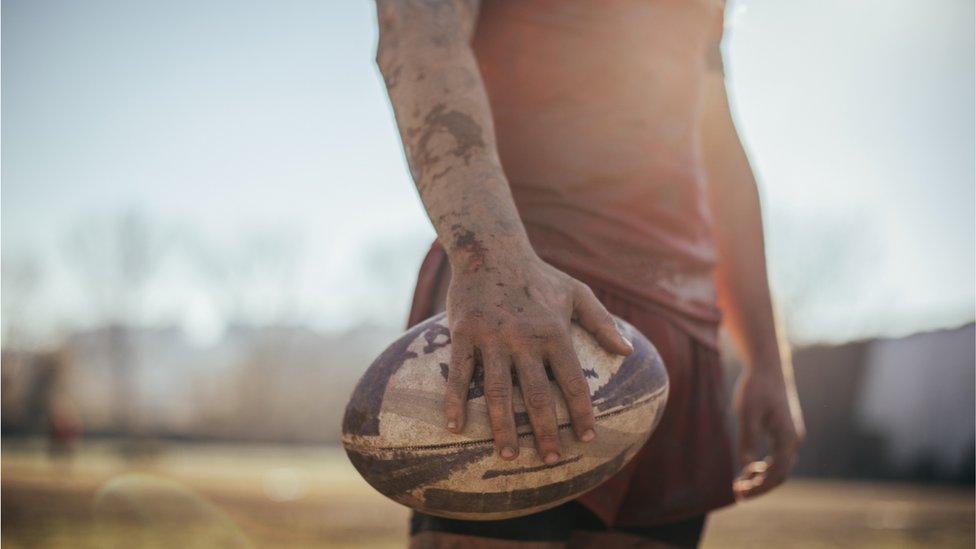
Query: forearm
<point x="766" y="400"/>
<point x="444" y="119"/>
<point x="741" y="276"/>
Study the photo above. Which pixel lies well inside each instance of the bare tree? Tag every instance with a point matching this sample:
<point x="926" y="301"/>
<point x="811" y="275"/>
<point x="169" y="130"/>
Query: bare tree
<point x="114" y="259"/>
<point x="22" y="274"/>
<point x="254" y="283"/>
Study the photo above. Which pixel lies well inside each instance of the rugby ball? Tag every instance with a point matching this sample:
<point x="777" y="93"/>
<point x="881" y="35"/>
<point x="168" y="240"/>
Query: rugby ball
<point x="393" y="430"/>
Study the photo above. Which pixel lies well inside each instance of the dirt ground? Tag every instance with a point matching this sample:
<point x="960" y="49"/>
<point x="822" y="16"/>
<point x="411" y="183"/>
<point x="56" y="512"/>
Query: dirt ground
<point x="164" y="495"/>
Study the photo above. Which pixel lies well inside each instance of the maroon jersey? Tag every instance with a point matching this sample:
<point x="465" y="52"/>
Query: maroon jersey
<point x="596" y="108"/>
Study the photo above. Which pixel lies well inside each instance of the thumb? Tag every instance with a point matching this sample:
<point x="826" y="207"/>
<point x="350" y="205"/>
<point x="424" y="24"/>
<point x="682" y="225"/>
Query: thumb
<point x="594" y="318"/>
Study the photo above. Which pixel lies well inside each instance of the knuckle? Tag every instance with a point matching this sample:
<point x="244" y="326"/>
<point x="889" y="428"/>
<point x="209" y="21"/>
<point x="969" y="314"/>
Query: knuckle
<point x="523" y="347"/>
<point x="563" y="354"/>
<point x="585" y="291"/>
<point x="456" y="382"/>
<point x="452" y="400"/>
<point x="456" y="397"/>
<point x="535" y="329"/>
<point x="531" y="332"/>
<point x="576" y="387"/>
<point x="467" y="326"/>
<point x="537" y="397"/>
<point x="497" y="392"/>
<point x="462" y="352"/>
<point x="549" y="327"/>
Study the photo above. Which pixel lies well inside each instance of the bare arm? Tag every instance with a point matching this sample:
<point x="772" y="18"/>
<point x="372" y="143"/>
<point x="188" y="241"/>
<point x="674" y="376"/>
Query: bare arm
<point x="506" y="307"/>
<point x="766" y="399"/>
<point x="445" y="123"/>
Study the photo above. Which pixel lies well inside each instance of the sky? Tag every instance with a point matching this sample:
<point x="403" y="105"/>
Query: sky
<point x="254" y="144"/>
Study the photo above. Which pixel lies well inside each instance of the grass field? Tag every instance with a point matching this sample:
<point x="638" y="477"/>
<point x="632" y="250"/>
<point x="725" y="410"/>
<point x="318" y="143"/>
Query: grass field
<point x="206" y="495"/>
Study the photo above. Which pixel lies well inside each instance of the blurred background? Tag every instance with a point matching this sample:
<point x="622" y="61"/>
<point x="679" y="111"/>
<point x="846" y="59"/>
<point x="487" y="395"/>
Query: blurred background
<point x="209" y="230"/>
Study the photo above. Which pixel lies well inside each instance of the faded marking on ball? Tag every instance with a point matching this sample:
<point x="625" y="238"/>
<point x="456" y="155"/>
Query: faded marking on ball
<point x="397" y="440"/>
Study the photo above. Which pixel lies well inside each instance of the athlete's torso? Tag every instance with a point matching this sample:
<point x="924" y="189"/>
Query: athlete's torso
<point x="596" y="107"/>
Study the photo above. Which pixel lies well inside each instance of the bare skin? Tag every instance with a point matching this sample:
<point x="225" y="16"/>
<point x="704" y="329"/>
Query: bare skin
<point x="766" y="401"/>
<point x="511" y="309"/>
<point x="505" y="305"/>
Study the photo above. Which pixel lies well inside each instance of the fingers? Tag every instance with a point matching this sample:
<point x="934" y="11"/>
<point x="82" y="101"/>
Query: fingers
<point x="539" y="404"/>
<point x="576" y="391"/>
<point x="752" y="472"/>
<point x="759" y="477"/>
<point x="780" y="463"/>
<point x="750" y="431"/>
<point x="458" y="379"/>
<point x="750" y="478"/>
<point x="594" y="318"/>
<point x="498" y="396"/>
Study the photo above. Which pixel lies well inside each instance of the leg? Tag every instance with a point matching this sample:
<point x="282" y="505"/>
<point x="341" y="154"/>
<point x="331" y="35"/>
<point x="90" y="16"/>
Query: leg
<point x="545" y="530"/>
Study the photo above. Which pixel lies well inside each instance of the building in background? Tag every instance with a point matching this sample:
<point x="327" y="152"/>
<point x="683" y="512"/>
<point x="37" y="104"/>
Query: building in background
<point x="890" y="408"/>
<point x="885" y="408"/>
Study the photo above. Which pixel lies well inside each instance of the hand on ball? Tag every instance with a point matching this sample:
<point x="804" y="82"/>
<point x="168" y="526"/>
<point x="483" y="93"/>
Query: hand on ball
<point x="518" y="314"/>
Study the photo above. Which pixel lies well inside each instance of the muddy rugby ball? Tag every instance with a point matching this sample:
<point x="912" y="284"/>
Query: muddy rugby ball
<point x="394" y="434"/>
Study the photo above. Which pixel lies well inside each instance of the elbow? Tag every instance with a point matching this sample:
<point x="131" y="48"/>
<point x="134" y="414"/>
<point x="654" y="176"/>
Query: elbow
<point x="390" y="59"/>
<point x="389" y="43"/>
<point x="387" y="48"/>
<point x="413" y="33"/>
<point x="384" y="60"/>
<point x="392" y="23"/>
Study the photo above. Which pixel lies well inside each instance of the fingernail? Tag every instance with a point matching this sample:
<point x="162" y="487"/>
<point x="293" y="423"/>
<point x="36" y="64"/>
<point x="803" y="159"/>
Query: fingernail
<point x="508" y="453"/>
<point x="452" y="425"/>
<point x="588" y="435"/>
<point x="551" y="457"/>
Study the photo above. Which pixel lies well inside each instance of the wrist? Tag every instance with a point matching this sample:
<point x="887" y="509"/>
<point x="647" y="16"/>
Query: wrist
<point x="765" y="365"/>
<point x="767" y="374"/>
<point x="766" y="357"/>
<point x="470" y="252"/>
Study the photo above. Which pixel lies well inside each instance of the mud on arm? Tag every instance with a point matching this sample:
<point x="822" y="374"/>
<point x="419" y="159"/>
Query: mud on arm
<point x="507" y="309"/>
<point x="444" y="120"/>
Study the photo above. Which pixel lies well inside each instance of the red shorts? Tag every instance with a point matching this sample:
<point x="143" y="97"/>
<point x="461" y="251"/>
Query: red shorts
<point x="686" y="468"/>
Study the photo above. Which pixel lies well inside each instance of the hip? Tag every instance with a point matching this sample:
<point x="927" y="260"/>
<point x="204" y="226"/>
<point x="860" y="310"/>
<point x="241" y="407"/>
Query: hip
<point x="699" y="319"/>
